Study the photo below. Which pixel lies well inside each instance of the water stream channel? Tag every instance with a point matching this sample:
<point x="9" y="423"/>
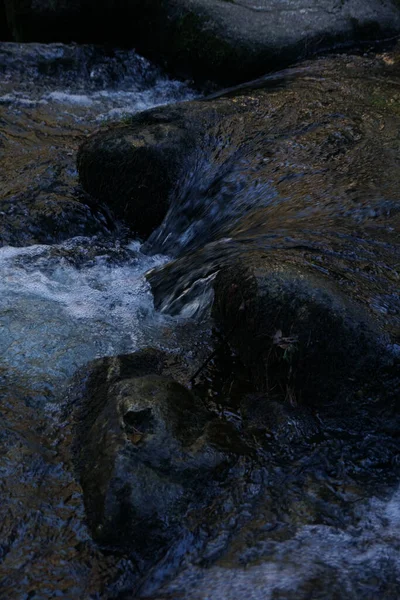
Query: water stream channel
<point x="65" y="301"/>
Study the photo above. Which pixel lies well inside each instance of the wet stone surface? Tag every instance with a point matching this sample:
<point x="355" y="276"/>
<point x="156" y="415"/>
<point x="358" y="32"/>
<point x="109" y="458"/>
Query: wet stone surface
<point x="51" y="97"/>
<point x="255" y="476"/>
<point x="228" y="41"/>
<point x="284" y="215"/>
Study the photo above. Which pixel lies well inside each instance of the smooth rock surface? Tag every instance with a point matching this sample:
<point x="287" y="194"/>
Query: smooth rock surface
<point x="224" y="40"/>
<point x="300" y="337"/>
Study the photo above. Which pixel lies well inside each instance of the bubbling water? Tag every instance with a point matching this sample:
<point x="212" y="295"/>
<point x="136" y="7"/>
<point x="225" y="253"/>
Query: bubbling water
<point x="62" y="306"/>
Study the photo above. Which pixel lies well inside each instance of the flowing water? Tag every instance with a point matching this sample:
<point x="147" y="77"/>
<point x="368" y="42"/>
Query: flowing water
<point x="67" y="299"/>
<point x="61" y="305"/>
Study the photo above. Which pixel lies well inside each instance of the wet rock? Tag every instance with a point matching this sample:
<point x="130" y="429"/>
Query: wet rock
<point x="302" y="340"/>
<point x="145" y="449"/>
<point x="134" y="168"/>
<point x="263" y="158"/>
<point x="223" y="40"/>
<point x="40" y="201"/>
<point x="74" y="68"/>
<point x="233" y="41"/>
<point x="48" y="212"/>
<point x="287" y="210"/>
<point x="296" y="212"/>
<point x="50" y="220"/>
<point x="51" y="97"/>
<point x="281" y="421"/>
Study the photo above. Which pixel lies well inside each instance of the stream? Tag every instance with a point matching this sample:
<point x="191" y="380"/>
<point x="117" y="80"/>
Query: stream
<point x="67" y="300"/>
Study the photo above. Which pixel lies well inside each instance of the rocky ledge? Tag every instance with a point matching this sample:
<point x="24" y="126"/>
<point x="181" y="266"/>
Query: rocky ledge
<point x="226" y="41"/>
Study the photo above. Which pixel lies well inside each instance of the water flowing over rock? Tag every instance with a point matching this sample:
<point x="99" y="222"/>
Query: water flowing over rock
<point x="237" y="433"/>
<point x="277" y="180"/>
<point x="51" y="97"/>
<point x="224" y="40"/>
<point x="137" y="171"/>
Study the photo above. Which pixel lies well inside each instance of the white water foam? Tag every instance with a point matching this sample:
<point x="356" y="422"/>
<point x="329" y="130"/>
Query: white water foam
<point x="56" y="315"/>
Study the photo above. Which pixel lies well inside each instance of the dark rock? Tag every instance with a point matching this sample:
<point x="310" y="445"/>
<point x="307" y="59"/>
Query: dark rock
<point x="300" y="142"/>
<point x="82" y="69"/>
<point x="45" y="20"/>
<point x="305" y="248"/>
<point x="135" y="167"/>
<point x="235" y="40"/>
<point x="46" y="212"/>
<point x="40" y="201"/>
<point x="145" y="449"/>
<point x="292" y="181"/>
<point x="5" y="33"/>
<point x="46" y="220"/>
<point x="281" y="421"/>
<point x="302" y="340"/>
<point x="224" y="40"/>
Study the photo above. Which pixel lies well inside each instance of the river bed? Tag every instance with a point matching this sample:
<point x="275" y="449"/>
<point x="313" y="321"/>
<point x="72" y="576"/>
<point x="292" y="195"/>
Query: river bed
<point x="66" y="300"/>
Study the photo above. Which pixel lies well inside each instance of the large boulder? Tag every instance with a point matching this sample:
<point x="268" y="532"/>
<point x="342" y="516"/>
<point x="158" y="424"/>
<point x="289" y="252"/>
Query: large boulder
<point x="287" y="191"/>
<point x="146" y="449"/>
<point x="304" y="342"/>
<point x="233" y="41"/>
<point x="134" y="168"/>
<point x="223" y="40"/>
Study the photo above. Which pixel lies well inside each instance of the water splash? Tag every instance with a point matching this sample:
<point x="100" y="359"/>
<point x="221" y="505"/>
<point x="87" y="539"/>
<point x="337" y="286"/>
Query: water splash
<point x="65" y="305"/>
